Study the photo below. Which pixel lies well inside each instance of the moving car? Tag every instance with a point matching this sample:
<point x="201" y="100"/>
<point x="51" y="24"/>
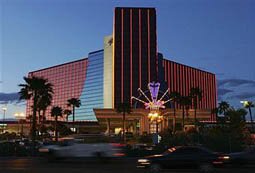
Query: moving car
<point x="79" y="148"/>
<point x="246" y="157"/>
<point x="183" y="157"/>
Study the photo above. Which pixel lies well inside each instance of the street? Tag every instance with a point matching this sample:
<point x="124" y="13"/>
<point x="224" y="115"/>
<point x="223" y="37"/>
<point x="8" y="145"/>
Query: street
<point x="39" y="165"/>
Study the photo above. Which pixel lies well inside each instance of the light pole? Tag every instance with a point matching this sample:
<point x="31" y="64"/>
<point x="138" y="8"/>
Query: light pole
<point x="248" y="105"/>
<point x="20" y="117"/>
<point x="4" y="110"/>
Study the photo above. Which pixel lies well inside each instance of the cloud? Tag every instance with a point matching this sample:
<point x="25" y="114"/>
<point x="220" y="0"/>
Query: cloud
<point x="222" y="91"/>
<point x="235" y="82"/>
<point x="9" y="98"/>
<point x="243" y="96"/>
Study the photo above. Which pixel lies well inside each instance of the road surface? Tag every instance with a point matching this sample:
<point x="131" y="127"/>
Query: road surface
<point x="39" y="165"/>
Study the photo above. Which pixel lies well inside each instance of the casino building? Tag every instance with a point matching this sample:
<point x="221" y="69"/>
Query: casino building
<point x="129" y="60"/>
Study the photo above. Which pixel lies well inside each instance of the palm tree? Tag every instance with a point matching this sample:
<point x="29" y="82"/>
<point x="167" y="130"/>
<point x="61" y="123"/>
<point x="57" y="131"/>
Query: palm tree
<point x="124" y="108"/>
<point x="185" y="102"/>
<point x="56" y="112"/>
<point x="67" y="112"/>
<point x="248" y="105"/>
<point x="223" y="107"/>
<point x="75" y="103"/>
<point x="43" y="102"/>
<point x="34" y="88"/>
<point x="174" y="96"/>
<point x="196" y="97"/>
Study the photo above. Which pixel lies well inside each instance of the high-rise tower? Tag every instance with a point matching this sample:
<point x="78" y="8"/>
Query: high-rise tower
<point x="135" y="51"/>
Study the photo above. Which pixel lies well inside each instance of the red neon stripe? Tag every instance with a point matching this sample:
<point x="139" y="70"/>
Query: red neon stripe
<point x="209" y="94"/>
<point x="201" y="85"/>
<point x="168" y="70"/>
<point x="172" y="78"/>
<point x="185" y="84"/>
<point x="180" y="76"/>
<point x="183" y="80"/>
<point x="188" y="78"/>
<point x="122" y="56"/>
<point x="197" y="73"/>
<point x="186" y="81"/>
<point x="214" y="94"/>
<point x="204" y="95"/>
<point x="175" y="71"/>
<point x="165" y="69"/>
<point x="156" y="52"/>
<point x="208" y="85"/>
<point x="131" y="55"/>
<point x="197" y="83"/>
<point x="140" y="53"/>
<point x="215" y="90"/>
<point x="206" y="89"/>
<point x="149" y="52"/>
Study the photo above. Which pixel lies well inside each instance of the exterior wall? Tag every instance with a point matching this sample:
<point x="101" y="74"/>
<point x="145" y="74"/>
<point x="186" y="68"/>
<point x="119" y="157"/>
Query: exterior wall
<point x="108" y="72"/>
<point x="68" y="81"/>
<point x="182" y="78"/>
<point x="135" y="51"/>
<point x="92" y="93"/>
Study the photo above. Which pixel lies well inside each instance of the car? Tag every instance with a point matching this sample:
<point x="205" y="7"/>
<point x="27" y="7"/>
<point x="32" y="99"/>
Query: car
<point x="246" y="157"/>
<point x="78" y="148"/>
<point x="183" y="157"/>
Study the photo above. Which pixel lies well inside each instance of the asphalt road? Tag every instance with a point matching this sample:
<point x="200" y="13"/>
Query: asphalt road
<point x="38" y="165"/>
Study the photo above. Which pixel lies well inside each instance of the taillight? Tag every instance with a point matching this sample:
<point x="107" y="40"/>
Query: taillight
<point x="117" y="145"/>
<point x="119" y="154"/>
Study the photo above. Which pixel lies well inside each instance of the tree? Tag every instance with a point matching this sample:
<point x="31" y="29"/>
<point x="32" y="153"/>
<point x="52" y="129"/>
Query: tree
<point x="124" y="108"/>
<point x="236" y="126"/>
<point x="231" y="136"/>
<point x="56" y="112"/>
<point x="34" y="88"/>
<point x="67" y="112"/>
<point x="223" y="107"/>
<point x="75" y="103"/>
<point x="43" y="102"/>
<point x="185" y="102"/>
<point x="175" y="96"/>
<point x="248" y="105"/>
<point x="196" y="97"/>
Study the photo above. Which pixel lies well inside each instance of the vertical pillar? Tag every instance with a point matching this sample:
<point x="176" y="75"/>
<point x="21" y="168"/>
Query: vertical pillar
<point x="108" y="123"/>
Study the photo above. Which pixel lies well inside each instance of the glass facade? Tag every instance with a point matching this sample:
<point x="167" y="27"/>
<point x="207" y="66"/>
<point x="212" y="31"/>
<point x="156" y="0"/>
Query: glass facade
<point x="92" y="93"/>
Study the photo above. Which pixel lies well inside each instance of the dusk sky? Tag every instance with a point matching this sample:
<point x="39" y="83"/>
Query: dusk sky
<point x="216" y="36"/>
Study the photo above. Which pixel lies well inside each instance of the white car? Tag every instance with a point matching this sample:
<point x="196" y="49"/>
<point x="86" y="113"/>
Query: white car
<point x="77" y="148"/>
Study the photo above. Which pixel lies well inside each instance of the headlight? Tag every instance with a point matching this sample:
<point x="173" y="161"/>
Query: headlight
<point x="224" y="157"/>
<point x="143" y="161"/>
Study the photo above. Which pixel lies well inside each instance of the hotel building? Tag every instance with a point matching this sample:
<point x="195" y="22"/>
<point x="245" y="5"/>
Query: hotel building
<point x="129" y="60"/>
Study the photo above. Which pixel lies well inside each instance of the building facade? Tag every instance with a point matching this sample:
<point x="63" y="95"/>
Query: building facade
<point x="68" y="82"/>
<point x="135" y="51"/>
<point x="129" y="60"/>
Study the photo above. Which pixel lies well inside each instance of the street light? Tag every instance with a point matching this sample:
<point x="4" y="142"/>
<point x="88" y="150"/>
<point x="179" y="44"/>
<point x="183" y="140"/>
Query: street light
<point x="20" y="117"/>
<point x="4" y="110"/>
<point x="248" y="105"/>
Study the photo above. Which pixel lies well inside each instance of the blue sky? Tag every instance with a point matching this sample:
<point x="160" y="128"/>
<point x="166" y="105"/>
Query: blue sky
<point x="217" y="36"/>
